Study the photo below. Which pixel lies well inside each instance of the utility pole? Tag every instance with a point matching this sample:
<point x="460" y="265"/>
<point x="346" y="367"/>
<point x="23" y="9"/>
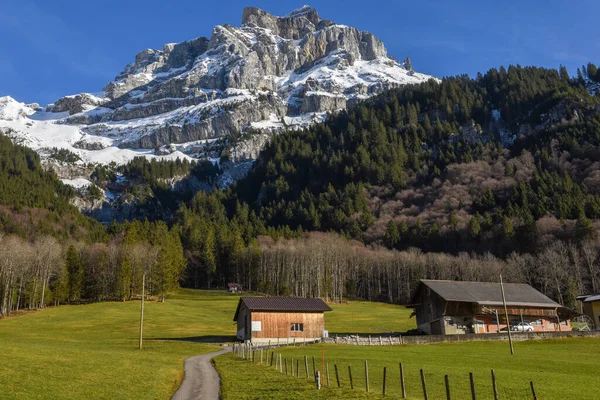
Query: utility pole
<point x="142" y="312"/>
<point x="512" y="351"/>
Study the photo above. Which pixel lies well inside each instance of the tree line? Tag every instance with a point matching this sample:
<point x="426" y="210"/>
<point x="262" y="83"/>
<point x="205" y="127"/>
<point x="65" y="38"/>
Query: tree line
<point x="42" y="271"/>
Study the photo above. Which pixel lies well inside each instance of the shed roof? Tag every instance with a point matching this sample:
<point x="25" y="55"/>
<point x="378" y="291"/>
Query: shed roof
<point x="282" y="304"/>
<point x="589" y="298"/>
<point x="488" y="293"/>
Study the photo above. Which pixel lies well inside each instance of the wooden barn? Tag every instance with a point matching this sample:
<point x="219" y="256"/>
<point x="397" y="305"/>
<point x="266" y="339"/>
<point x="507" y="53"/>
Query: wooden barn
<point x="452" y="307"/>
<point x="263" y="319"/>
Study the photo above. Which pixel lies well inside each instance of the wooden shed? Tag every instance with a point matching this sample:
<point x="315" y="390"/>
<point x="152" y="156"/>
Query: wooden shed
<point x="591" y="307"/>
<point x="453" y="307"/>
<point x="234" y="287"/>
<point x="263" y="319"/>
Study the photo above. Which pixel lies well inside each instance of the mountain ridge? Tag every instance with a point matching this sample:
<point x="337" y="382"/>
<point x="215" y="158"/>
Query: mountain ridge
<point x="227" y="94"/>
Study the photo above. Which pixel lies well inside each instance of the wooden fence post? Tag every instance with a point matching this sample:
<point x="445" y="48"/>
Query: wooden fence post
<point x="261" y="355"/>
<point x="447" y="388"/>
<point x="402" y="381"/>
<point x="314" y="368"/>
<point x="350" y="374"/>
<point x="286" y="367"/>
<point x="424" y="384"/>
<point x="327" y="372"/>
<point x="337" y="375"/>
<point x="272" y="355"/>
<point x="473" y="395"/>
<point x="384" y="379"/>
<point x="367" y="374"/>
<point x="494" y="385"/>
<point x="298" y="368"/>
<point x="281" y="363"/>
<point x="533" y="391"/>
<point x="306" y="365"/>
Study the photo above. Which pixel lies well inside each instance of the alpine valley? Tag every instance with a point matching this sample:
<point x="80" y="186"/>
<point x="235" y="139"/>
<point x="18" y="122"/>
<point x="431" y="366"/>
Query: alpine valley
<point x="288" y="138"/>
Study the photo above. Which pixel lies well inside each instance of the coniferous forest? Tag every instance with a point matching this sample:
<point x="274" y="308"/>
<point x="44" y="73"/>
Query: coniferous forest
<point x="459" y="179"/>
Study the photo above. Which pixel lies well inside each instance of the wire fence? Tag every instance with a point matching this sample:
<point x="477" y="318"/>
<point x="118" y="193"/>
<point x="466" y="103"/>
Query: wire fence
<point x="397" y="380"/>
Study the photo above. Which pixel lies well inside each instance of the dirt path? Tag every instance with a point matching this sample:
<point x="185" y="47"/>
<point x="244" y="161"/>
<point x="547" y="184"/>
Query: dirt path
<point x="201" y="380"/>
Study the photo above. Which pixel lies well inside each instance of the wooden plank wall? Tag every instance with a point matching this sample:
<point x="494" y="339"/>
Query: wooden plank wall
<point x="278" y="324"/>
<point x="516" y="311"/>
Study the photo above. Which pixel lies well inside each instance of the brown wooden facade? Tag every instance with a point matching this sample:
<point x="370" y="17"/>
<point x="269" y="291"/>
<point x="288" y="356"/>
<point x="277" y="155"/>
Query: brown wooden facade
<point x="278" y="325"/>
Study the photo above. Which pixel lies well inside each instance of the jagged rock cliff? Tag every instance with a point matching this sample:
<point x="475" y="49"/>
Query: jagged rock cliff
<point x="266" y="75"/>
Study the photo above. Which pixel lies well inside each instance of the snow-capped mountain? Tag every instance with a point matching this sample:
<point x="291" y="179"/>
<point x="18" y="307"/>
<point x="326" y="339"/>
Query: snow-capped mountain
<point x="268" y="74"/>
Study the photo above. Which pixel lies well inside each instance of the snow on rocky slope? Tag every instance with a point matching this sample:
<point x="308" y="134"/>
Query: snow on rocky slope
<point x="269" y="74"/>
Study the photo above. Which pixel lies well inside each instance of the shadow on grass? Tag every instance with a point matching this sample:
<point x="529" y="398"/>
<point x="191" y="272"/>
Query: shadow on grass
<point x="198" y="339"/>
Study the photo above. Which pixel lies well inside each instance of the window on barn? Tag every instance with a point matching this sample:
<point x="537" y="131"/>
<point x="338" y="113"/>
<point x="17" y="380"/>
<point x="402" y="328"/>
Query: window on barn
<point x="297" y="327"/>
<point x="256" y="326"/>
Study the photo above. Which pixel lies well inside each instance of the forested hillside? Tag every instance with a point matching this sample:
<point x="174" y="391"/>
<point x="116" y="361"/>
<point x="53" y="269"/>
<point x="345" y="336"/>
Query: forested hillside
<point x="503" y="166"/>
<point x="50" y="253"/>
<point x="436" y="165"/>
<point x="461" y="179"/>
<point x="35" y="202"/>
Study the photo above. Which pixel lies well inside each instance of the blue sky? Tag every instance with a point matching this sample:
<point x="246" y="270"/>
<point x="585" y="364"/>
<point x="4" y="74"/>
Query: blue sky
<point x="53" y="48"/>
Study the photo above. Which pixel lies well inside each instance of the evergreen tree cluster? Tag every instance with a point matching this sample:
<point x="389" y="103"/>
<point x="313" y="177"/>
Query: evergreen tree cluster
<point x="25" y="186"/>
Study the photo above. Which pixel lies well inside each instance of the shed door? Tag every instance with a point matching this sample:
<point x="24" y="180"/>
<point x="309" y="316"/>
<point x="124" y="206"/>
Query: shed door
<point x="247" y="327"/>
<point x="436" y="327"/>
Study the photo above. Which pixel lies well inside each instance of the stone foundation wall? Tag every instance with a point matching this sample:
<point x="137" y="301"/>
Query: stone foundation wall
<point x="386" y="340"/>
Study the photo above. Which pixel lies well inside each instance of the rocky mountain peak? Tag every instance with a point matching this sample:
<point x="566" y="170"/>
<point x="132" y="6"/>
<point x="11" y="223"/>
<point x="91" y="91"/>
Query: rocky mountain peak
<point x="294" y="25"/>
<point x="267" y="75"/>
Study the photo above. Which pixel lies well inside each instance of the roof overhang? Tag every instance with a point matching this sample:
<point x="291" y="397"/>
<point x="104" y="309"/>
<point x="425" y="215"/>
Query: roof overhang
<point x="517" y="304"/>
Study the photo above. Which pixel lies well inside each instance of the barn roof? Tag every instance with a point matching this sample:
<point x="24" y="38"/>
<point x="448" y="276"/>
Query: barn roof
<point x="487" y="293"/>
<point x="282" y="304"/>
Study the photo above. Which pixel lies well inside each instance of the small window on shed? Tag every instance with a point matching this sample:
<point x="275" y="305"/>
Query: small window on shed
<point x="297" y="327"/>
<point x="256" y="326"/>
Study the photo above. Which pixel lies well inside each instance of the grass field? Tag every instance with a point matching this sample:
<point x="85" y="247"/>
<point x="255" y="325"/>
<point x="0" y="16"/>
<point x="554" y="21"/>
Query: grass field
<point x="560" y="369"/>
<point x="90" y="351"/>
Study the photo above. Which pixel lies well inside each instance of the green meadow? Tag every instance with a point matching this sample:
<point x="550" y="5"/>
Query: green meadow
<point x="90" y="352"/>
<point x="560" y="369"/>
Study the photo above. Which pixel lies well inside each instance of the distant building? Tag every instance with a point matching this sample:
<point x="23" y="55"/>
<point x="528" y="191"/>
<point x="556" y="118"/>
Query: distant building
<point x="591" y="307"/>
<point x="263" y="319"/>
<point x="452" y="307"/>
<point x="234" y="287"/>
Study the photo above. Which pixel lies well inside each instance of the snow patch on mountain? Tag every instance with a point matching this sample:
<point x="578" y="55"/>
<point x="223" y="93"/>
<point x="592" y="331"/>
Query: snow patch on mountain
<point x="43" y="131"/>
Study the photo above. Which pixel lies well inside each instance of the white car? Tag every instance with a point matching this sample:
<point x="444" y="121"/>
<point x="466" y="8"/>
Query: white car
<point x="522" y="327"/>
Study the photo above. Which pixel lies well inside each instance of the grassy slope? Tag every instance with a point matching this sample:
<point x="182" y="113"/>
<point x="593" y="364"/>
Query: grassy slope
<point x="560" y="369"/>
<point x="368" y="318"/>
<point x="80" y="352"/>
<point x="90" y="351"/>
